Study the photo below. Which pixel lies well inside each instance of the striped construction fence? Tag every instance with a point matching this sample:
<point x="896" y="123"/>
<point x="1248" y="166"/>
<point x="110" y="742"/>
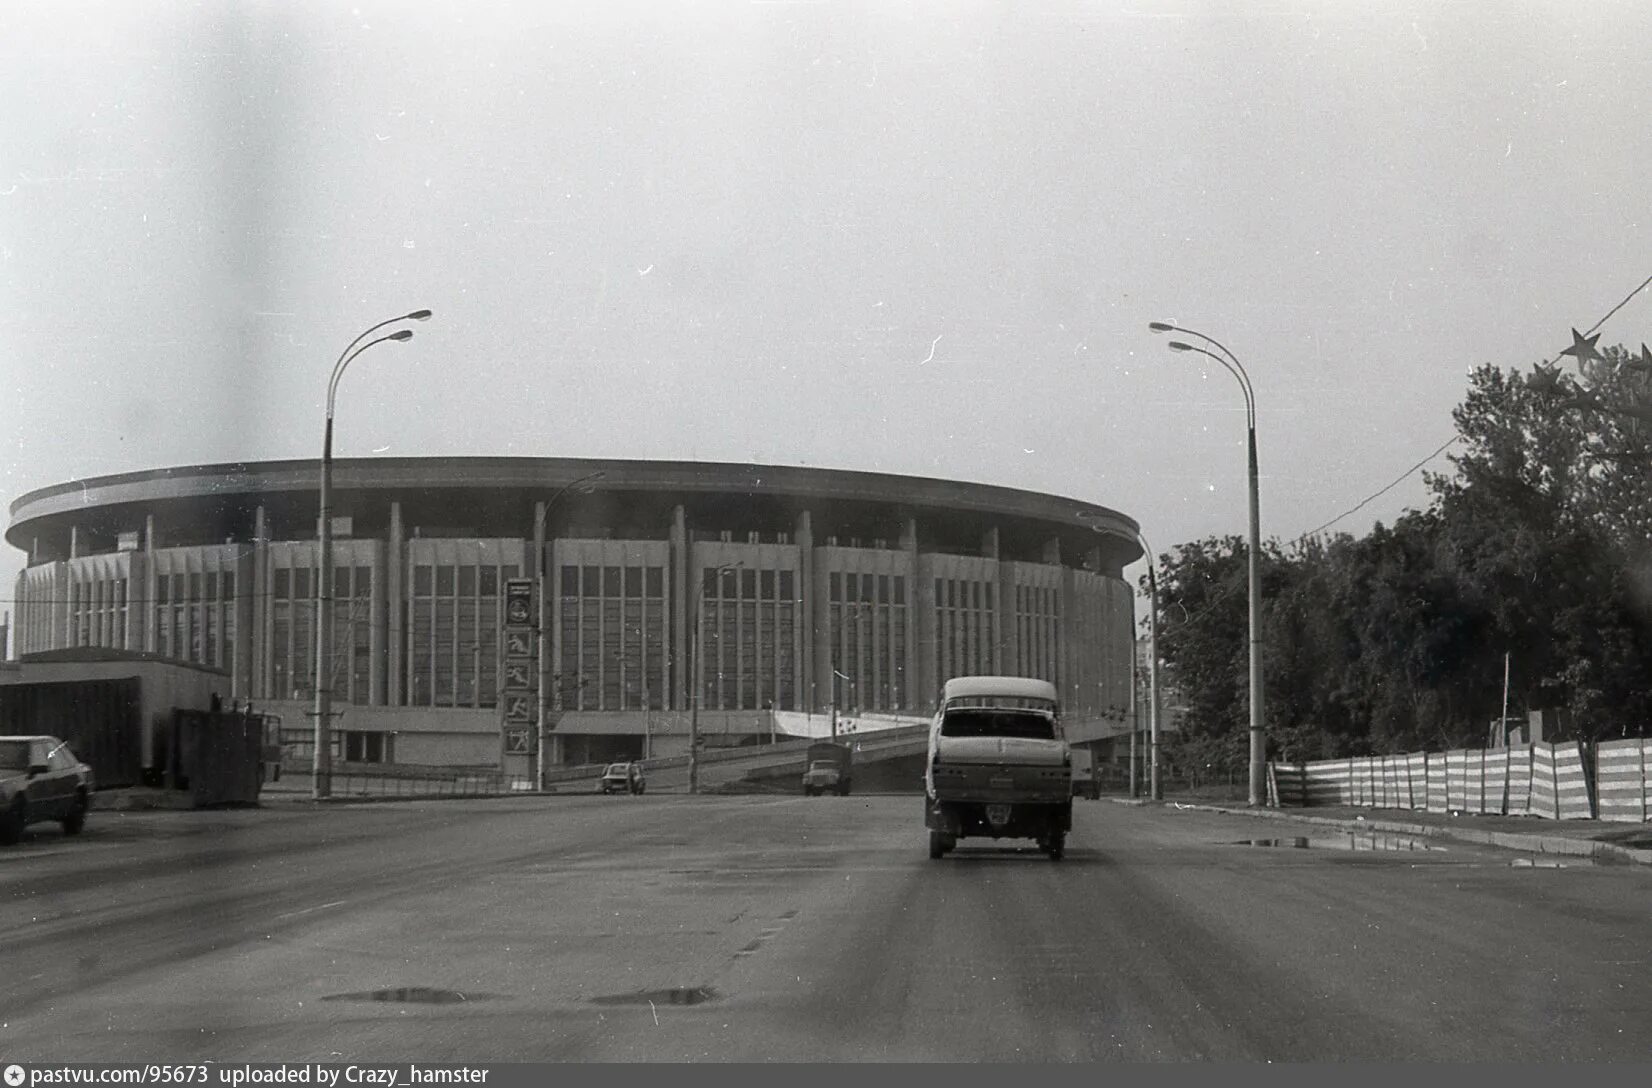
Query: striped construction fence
<point x="1543" y="783"/>
<point x="1327" y="782"/>
<point x="1573" y="799"/>
<point x="1287" y="785"/>
<point x="1456" y="779"/>
<point x="1518" y="798"/>
<point x="1563" y="780"/>
<point x="1435" y="780"/>
<point x="1620" y="780"/>
<point x="1494" y="765"/>
<point x="1416" y="773"/>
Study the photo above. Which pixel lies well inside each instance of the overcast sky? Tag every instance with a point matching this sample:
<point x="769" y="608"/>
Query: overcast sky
<point x="901" y="237"/>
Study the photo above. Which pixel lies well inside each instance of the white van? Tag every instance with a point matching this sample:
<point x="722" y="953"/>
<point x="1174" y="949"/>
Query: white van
<point x="998" y="766"/>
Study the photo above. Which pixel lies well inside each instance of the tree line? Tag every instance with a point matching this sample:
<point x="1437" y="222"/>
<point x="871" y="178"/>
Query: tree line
<point x="1538" y="547"/>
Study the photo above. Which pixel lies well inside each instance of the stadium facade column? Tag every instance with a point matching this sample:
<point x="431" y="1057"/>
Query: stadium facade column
<point x="148" y="622"/>
<point x="820" y="629"/>
<point x="1099" y="638"/>
<point x="392" y="579"/>
<point x="246" y="578"/>
<point x="258" y="633"/>
<point x="137" y="602"/>
<point x="929" y="656"/>
<point x="679" y="593"/>
<point x="378" y="632"/>
<point x="57" y="600"/>
<point x="992" y="549"/>
<point x="803" y="669"/>
<point x="1058" y="658"/>
<point x="912" y="683"/>
<point x="547" y="619"/>
<point x="1067" y="624"/>
<point x="74" y="542"/>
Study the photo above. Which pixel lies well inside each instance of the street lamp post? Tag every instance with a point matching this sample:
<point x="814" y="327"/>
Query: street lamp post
<point x="1152" y="666"/>
<point x="694" y="678"/>
<point x="542" y="649"/>
<point x="1258" y="744"/>
<point x="1152" y="672"/>
<point x="322" y="782"/>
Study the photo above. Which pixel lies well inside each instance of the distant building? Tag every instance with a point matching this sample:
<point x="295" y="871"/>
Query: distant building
<point x="894" y="582"/>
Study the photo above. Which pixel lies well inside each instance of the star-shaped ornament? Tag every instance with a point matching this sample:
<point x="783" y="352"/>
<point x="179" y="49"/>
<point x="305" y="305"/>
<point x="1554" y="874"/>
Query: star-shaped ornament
<point x="1583" y="348"/>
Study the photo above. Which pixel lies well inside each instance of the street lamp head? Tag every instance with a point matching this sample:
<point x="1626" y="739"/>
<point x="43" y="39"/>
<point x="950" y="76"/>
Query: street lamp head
<point x="418" y="315"/>
<point x="401" y="336"/>
<point x="1177" y="345"/>
<point x="1159" y="326"/>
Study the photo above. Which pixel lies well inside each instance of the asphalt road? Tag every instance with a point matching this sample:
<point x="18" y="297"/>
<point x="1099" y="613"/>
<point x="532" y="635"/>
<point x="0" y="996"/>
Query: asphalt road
<point x="783" y="928"/>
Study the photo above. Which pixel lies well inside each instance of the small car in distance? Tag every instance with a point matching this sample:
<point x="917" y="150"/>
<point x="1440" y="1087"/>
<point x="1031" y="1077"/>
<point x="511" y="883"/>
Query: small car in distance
<point x="622" y="778"/>
<point x="41" y="781"/>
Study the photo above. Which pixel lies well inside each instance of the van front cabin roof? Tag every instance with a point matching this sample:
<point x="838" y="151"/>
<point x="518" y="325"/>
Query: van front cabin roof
<point x="1024" y="687"/>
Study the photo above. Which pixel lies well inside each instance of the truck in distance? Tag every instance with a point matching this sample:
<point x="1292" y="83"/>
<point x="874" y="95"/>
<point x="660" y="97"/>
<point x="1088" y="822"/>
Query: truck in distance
<point x="828" y="768"/>
<point x="998" y="766"/>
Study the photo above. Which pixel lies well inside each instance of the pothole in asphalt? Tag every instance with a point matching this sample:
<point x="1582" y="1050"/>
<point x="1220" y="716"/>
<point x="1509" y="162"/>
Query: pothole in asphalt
<point x="681" y="995"/>
<point x="413" y="995"/>
<point x="1395" y="843"/>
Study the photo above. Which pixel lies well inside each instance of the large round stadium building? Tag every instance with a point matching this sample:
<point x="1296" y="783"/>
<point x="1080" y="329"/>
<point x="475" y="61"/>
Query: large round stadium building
<point x="809" y="589"/>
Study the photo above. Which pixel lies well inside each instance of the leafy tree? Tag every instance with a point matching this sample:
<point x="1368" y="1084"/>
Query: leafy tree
<point x="1538" y="546"/>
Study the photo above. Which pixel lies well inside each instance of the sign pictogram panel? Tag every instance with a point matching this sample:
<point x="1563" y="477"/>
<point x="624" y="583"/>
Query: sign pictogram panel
<point x="519" y="676"/>
<point x="519" y="602"/>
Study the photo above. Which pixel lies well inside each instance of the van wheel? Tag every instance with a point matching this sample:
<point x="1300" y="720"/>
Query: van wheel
<point x="937" y="845"/>
<point x="1057" y="846"/>
<point x="76" y="819"/>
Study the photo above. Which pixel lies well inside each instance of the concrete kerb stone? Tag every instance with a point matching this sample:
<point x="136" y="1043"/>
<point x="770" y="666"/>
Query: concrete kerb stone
<point x="1508" y="840"/>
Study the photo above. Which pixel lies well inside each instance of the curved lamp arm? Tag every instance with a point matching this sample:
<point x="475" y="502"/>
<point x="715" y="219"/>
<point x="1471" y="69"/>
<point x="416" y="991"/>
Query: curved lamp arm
<point x="1164" y="326"/>
<point x="350" y="351"/>
<point x="1238" y="376"/>
<point x="580" y="486"/>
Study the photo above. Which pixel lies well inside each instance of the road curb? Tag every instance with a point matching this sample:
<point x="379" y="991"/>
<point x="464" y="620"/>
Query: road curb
<point x="1508" y="840"/>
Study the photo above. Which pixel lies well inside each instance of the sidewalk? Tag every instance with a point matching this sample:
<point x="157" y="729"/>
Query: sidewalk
<point x="1604" y="842"/>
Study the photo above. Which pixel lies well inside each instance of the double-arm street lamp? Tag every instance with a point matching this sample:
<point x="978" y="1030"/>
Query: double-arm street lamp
<point x="1258" y="744"/>
<point x="322" y="786"/>
<point x="1152" y="670"/>
<point x="584" y="485"/>
<point x="694" y="677"/>
<point x="1152" y="662"/>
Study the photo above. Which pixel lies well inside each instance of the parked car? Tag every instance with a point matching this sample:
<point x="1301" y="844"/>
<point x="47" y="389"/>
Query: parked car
<point x="41" y="781"/>
<point x="622" y="778"/>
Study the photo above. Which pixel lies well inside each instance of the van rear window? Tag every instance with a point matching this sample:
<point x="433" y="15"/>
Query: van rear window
<point x="998" y="723"/>
<point x="1006" y="702"/>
